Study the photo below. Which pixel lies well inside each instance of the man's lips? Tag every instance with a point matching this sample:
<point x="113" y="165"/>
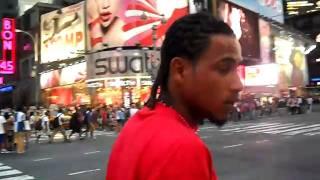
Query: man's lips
<point x="105" y="16"/>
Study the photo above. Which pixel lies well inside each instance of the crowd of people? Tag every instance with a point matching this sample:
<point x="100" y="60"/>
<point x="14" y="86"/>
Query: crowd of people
<point x="252" y="108"/>
<point x="16" y="126"/>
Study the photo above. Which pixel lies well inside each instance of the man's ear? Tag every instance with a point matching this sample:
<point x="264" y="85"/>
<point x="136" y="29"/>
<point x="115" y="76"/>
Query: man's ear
<point x="179" y="67"/>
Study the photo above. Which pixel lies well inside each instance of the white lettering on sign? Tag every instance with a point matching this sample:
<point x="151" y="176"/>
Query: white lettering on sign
<point x="7" y="63"/>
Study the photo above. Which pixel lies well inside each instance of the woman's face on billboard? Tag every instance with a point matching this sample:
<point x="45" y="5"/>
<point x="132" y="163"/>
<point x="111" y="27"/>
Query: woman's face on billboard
<point x="108" y="10"/>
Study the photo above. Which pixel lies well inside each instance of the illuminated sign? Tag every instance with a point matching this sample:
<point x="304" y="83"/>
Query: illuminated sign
<point x="62" y="33"/>
<point x="6" y="89"/>
<point x="124" y="63"/>
<point x="8" y="35"/>
<point x="1" y="80"/>
<point x="261" y="75"/>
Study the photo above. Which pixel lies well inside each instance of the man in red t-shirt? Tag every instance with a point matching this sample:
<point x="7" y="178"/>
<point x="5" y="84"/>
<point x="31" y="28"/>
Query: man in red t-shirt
<point x="198" y="80"/>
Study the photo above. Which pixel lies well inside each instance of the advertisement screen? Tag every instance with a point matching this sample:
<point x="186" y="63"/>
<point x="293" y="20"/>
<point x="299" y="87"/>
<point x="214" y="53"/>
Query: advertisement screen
<point x="269" y="8"/>
<point x="289" y="54"/>
<point x="128" y="22"/>
<point x="261" y="75"/>
<point x="62" y="33"/>
<point x="265" y="42"/>
<point x="69" y="75"/>
<point x="244" y="24"/>
<point x="124" y="63"/>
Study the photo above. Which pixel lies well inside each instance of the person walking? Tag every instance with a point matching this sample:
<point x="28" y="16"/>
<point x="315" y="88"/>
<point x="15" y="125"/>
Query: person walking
<point x="44" y="126"/>
<point x="19" y="129"/>
<point x="58" y="127"/>
<point x="197" y="80"/>
<point x="3" y="134"/>
<point x="9" y="130"/>
<point x="75" y="123"/>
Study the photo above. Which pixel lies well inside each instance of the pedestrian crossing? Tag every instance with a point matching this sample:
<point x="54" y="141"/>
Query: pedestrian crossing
<point x="59" y="136"/>
<point x="288" y="129"/>
<point x="8" y="173"/>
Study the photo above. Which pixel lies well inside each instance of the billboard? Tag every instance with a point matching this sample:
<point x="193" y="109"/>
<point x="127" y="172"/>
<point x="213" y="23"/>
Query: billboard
<point x="269" y="8"/>
<point x="261" y="75"/>
<point x="289" y="54"/>
<point x="65" y="76"/>
<point x="244" y="24"/>
<point x="128" y="22"/>
<point x="62" y="33"/>
<point x="124" y="63"/>
<point x="265" y="32"/>
<point x="8" y="42"/>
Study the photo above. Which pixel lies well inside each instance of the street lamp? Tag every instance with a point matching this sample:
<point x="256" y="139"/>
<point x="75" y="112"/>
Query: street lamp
<point x="34" y="71"/>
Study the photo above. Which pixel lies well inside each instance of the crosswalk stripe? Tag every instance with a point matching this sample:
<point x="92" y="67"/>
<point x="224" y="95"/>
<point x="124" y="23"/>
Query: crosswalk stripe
<point x="292" y="129"/>
<point x="23" y="177"/>
<point x="259" y="125"/>
<point x="4" y="168"/>
<point x="10" y="172"/>
<point x="257" y="128"/>
<point x="237" y="125"/>
<point x="302" y="131"/>
<point x="312" y="133"/>
<point x="276" y="128"/>
<point x="1" y="164"/>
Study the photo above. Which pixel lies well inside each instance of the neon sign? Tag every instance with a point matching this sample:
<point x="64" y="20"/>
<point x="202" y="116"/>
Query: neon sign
<point x="1" y="80"/>
<point x="8" y="35"/>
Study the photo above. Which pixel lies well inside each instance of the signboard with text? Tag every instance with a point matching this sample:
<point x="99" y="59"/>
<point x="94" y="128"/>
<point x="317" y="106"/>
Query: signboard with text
<point x="8" y="42"/>
<point x="62" y="33"/>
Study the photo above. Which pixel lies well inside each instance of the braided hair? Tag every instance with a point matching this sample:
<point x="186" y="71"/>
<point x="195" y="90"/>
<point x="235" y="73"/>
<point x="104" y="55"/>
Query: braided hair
<point x="188" y="38"/>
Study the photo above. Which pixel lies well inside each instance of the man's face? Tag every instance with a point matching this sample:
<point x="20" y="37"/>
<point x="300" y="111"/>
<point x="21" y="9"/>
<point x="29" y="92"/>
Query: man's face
<point x="211" y="86"/>
<point x="108" y="10"/>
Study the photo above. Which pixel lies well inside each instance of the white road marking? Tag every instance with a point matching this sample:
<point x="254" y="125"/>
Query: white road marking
<point x="237" y="125"/>
<point x="204" y="137"/>
<point x="1" y="164"/>
<point x="292" y="129"/>
<point x="262" y="141"/>
<point x="4" y="168"/>
<point x="235" y="129"/>
<point x="42" y="159"/>
<point x="209" y="127"/>
<point x="92" y="152"/>
<point x="302" y="131"/>
<point x="81" y="172"/>
<point x="257" y="128"/>
<point x="236" y="145"/>
<point x="277" y="128"/>
<point x="10" y="172"/>
<point x="311" y="134"/>
<point x="23" y="177"/>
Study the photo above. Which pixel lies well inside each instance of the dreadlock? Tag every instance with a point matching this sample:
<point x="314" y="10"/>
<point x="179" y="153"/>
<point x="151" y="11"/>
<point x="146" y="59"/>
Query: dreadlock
<point x="188" y="37"/>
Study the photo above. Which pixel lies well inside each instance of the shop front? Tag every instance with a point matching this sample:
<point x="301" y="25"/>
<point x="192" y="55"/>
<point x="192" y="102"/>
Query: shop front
<point x="121" y="77"/>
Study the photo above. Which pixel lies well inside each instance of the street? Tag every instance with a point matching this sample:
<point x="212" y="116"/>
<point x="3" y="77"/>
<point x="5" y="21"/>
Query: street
<point x="277" y="148"/>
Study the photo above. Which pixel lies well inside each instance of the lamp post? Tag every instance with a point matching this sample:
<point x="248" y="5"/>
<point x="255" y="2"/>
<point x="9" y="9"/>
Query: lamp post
<point x="34" y="72"/>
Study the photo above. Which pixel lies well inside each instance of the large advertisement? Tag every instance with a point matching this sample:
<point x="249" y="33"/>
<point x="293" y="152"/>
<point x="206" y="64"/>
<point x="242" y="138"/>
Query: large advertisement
<point x="265" y="42"/>
<point x="269" y="8"/>
<point x="68" y="75"/>
<point x="244" y="24"/>
<point x="129" y="22"/>
<point x="62" y="33"/>
<point x="122" y="63"/>
<point x="261" y="75"/>
<point x="289" y="54"/>
<point x="8" y="43"/>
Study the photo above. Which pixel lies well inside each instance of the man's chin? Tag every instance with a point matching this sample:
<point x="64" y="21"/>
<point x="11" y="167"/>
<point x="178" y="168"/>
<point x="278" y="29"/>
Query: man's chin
<point x="218" y="121"/>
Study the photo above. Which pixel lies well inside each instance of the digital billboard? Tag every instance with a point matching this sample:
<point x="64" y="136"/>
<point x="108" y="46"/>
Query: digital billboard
<point x="272" y="9"/>
<point x="62" y="33"/>
<point x="128" y="22"/>
<point x="244" y="24"/>
<point x="261" y="75"/>
<point x="65" y="76"/>
<point x="289" y="54"/>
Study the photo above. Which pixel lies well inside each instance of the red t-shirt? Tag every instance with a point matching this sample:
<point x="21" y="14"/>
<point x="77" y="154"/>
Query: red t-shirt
<point x="159" y="145"/>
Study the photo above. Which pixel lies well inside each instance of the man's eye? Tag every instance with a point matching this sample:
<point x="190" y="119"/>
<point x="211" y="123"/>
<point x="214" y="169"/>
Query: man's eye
<point x="225" y="68"/>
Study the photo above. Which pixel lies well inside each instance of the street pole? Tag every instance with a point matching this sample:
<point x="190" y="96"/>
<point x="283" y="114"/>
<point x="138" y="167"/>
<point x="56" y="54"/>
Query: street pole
<point x="35" y="67"/>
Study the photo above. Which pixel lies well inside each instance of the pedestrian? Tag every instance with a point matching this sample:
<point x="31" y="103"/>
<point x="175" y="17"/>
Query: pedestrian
<point x="93" y="121"/>
<point x="44" y="129"/>
<point x="58" y="126"/>
<point x="133" y="110"/>
<point x="2" y="133"/>
<point x="104" y="117"/>
<point x="198" y="80"/>
<point x="9" y="130"/>
<point x="75" y="123"/>
<point x="309" y="102"/>
<point x="19" y="130"/>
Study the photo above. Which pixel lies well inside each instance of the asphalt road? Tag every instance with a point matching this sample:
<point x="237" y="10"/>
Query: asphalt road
<point x="277" y="148"/>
